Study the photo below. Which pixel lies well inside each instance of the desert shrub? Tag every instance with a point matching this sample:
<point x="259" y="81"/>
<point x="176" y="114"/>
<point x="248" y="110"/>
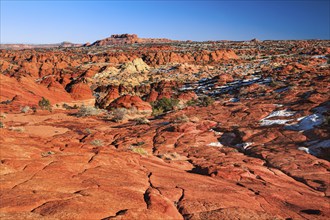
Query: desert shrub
<point x="88" y="131"/>
<point x="201" y="101"/>
<point x="157" y="111"/>
<point x="140" y="143"/>
<point x="141" y="121"/>
<point x="1" y="124"/>
<point x="163" y="105"/>
<point x="88" y="111"/>
<point x="97" y="142"/>
<point x="34" y="109"/>
<point x="192" y="102"/>
<point x="45" y="104"/>
<point x="206" y="101"/>
<point x="46" y="154"/>
<point x="25" y="109"/>
<point x="139" y="150"/>
<point x="180" y="119"/>
<point x="6" y="102"/>
<point x="119" y="114"/>
<point x="66" y="106"/>
<point x="170" y="156"/>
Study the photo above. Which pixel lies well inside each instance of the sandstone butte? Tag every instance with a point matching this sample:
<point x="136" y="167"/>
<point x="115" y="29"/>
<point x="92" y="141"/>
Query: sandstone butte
<point x="238" y="130"/>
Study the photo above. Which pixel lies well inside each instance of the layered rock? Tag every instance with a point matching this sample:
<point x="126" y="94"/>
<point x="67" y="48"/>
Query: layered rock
<point x="129" y="102"/>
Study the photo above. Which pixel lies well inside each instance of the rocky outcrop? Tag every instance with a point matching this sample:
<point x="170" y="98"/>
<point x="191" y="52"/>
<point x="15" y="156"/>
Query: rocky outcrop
<point x="254" y="145"/>
<point x="81" y="91"/>
<point x="130" y="102"/>
<point x="119" y="39"/>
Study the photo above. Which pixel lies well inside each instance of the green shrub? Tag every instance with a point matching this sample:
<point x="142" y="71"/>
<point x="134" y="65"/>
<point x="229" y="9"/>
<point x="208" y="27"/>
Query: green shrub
<point x="46" y="154"/>
<point x="192" y="102"/>
<point x="201" y="101"/>
<point x="206" y="101"/>
<point x="163" y="105"/>
<point x="1" y="125"/>
<point x="45" y="104"/>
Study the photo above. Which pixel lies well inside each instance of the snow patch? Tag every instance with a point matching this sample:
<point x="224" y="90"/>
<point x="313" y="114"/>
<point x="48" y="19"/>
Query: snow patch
<point x="215" y="144"/>
<point x="306" y="123"/>
<point x="315" y="147"/>
<point x="280" y="113"/>
<point x="266" y="122"/>
<point x="244" y="146"/>
<point x="304" y="149"/>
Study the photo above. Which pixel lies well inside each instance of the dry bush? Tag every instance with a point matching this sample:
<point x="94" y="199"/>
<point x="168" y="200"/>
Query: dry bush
<point x="139" y="150"/>
<point x="88" y="111"/>
<point x="141" y="121"/>
<point x="180" y="119"/>
<point x="97" y="142"/>
<point x="25" y="109"/>
<point x="119" y="114"/>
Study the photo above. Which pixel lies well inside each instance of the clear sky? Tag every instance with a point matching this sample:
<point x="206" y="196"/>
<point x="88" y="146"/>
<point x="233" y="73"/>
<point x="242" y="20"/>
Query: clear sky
<point x="87" y="21"/>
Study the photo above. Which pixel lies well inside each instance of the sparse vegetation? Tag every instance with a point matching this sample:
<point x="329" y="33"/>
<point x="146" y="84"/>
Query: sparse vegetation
<point x="170" y="156"/>
<point x="1" y="124"/>
<point x="163" y="105"/>
<point x="88" y="111"/>
<point x="140" y="143"/>
<point x="66" y="106"/>
<point x="44" y="104"/>
<point x="34" y="109"/>
<point x="206" y="101"/>
<point x="119" y="114"/>
<point x="141" y="121"/>
<point x="97" y="142"/>
<point x="139" y="150"/>
<point x="25" y="109"/>
<point x="180" y="119"/>
<point x="201" y="101"/>
<point x="88" y="131"/>
<point x="46" y="154"/>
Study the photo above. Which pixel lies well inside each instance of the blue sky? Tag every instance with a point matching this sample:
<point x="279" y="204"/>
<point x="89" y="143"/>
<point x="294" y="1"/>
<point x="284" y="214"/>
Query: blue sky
<point x="87" y="21"/>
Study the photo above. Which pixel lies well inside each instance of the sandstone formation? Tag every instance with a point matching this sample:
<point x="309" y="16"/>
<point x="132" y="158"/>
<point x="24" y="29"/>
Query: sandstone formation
<point x="130" y="102"/>
<point x="119" y="39"/>
<point x="235" y="130"/>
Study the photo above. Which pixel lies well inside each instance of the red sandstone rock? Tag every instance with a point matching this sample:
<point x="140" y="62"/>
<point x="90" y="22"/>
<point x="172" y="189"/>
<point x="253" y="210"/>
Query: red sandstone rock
<point x="129" y="102"/>
<point x="81" y="91"/>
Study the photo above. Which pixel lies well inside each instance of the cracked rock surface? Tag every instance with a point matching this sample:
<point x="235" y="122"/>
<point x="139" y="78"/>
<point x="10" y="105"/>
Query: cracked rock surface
<point x="235" y="158"/>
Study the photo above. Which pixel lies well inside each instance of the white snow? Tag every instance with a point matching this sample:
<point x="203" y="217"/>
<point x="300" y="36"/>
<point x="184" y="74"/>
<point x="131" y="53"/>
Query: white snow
<point x="280" y="113"/>
<point x="314" y="147"/>
<point x="266" y="122"/>
<point x="307" y="122"/>
<point x="216" y="132"/>
<point x="215" y="144"/>
<point x="244" y="146"/>
<point x="304" y="149"/>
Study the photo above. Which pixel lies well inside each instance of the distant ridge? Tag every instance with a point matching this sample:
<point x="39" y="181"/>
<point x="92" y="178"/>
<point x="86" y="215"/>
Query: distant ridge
<point x="31" y="46"/>
<point x="119" y="39"/>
